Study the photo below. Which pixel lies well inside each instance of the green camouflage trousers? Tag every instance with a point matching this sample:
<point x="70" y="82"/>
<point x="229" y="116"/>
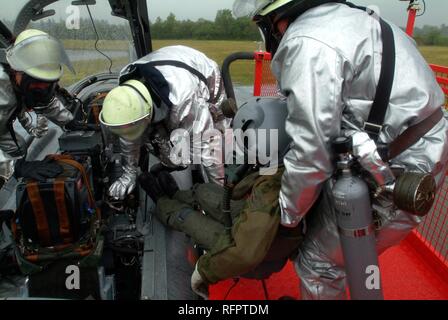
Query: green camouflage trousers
<point x="198" y="213"/>
<point x="257" y="245"/>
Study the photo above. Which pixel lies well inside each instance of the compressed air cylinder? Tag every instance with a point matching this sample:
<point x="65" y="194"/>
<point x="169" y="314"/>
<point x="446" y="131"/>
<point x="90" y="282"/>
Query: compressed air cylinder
<point x="356" y="230"/>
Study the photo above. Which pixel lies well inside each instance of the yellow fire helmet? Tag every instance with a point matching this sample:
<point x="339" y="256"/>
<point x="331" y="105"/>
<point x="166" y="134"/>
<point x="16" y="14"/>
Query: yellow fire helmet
<point x="127" y="110"/>
<point x="39" y="55"/>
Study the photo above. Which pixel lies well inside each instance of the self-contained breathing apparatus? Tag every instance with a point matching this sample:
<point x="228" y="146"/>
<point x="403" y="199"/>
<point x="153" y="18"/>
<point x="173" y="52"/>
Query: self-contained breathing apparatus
<point x="363" y="174"/>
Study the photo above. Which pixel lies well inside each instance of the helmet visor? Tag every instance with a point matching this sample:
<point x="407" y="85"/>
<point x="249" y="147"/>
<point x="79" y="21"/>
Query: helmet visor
<point x="245" y="8"/>
<point x="131" y="131"/>
<point x="42" y="51"/>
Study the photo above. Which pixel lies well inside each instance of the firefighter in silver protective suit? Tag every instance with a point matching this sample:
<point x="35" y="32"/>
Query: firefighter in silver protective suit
<point x="28" y="82"/>
<point x="175" y="87"/>
<point x="327" y="59"/>
<point x="238" y="225"/>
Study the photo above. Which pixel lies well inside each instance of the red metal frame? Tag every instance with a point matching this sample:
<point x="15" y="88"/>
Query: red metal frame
<point x="430" y="240"/>
<point x="265" y="83"/>
<point x="441" y="76"/>
<point x="411" y="21"/>
<point x="260" y="57"/>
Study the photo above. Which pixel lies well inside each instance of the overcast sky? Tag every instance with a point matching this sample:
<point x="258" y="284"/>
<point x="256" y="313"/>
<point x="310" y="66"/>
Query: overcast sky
<point x="395" y="10"/>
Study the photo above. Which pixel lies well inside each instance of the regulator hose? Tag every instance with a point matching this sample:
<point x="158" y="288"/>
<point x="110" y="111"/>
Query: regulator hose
<point x="230" y="181"/>
<point x="226" y="207"/>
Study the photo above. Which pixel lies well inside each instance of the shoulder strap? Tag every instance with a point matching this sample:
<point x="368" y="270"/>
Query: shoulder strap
<point x="64" y="221"/>
<point x="40" y="216"/>
<point x="410" y="136"/>
<point x="3" y="56"/>
<point x="66" y="159"/>
<point x="377" y="113"/>
<point x="17" y="110"/>
<point x="179" y="64"/>
<point x="193" y="71"/>
<point x="375" y="121"/>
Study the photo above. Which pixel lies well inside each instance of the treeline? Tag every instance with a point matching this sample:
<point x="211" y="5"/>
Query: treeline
<point x="224" y="27"/>
<point x="432" y="36"/>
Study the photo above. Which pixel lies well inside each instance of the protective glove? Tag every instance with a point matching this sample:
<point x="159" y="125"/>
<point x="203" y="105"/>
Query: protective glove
<point x="123" y="185"/>
<point x="159" y="167"/>
<point x="37" y="170"/>
<point x="39" y="130"/>
<point x="168" y="184"/>
<point x="76" y="125"/>
<point x="130" y="153"/>
<point x="198" y="285"/>
<point x="151" y="185"/>
<point x="41" y="127"/>
<point x="55" y="112"/>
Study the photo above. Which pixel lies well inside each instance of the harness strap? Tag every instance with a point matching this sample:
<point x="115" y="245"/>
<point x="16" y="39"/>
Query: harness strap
<point x="19" y="107"/>
<point x="64" y="224"/>
<point x="377" y="114"/>
<point x="410" y="136"/>
<point x="68" y="160"/>
<point x="375" y="121"/>
<point x="39" y="213"/>
<point x="182" y="65"/>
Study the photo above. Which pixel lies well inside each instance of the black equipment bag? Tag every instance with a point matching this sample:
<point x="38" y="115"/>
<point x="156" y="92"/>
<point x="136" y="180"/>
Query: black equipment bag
<point x="58" y="215"/>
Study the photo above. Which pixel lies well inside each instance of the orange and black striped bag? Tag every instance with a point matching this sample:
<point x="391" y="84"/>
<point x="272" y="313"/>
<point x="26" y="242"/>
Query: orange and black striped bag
<point x="59" y="217"/>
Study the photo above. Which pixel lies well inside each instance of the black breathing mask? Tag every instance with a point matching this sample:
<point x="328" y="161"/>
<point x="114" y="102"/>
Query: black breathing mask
<point x="271" y="37"/>
<point x="36" y="93"/>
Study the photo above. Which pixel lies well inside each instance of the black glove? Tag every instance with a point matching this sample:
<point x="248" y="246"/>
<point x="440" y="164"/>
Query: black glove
<point x="168" y="184"/>
<point x="37" y="170"/>
<point x="151" y="185"/>
<point x="76" y="125"/>
<point x="159" y="167"/>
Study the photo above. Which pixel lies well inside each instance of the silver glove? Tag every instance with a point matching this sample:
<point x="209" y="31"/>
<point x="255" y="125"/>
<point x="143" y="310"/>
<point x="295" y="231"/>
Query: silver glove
<point x="365" y="149"/>
<point x="39" y="130"/>
<point x="125" y="184"/>
<point x="56" y="112"/>
<point x="130" y="153"/>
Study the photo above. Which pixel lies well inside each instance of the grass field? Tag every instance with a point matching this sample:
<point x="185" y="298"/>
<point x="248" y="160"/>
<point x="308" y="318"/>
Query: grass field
<point x="435" y="55"/>
<point x="87" y="68"/>
<point x="102" y="44"/>
<point x="242" y="72"/>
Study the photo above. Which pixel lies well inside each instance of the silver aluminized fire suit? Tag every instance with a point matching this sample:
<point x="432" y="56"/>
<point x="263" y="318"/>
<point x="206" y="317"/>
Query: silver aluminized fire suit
<point x="55" y="112"/>
<point x="190" y="110"/>
<point x="328" y="65"/>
